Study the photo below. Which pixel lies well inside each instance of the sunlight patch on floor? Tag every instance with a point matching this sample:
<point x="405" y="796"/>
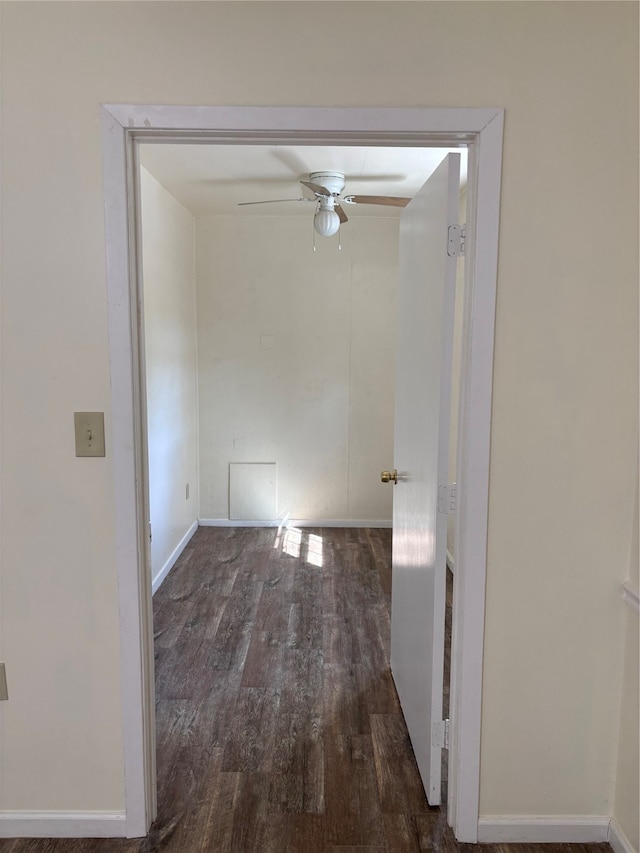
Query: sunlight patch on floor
<point x="314" y="550"/>
<point x="294" y="541"/>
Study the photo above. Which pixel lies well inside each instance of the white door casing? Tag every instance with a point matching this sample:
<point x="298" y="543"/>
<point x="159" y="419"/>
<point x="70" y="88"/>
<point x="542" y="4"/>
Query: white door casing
<point x="123" y="126"/>
<point x="424" y="350"/>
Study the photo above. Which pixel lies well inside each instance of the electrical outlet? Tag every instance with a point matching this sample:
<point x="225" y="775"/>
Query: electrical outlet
<point x="4" y="693"/>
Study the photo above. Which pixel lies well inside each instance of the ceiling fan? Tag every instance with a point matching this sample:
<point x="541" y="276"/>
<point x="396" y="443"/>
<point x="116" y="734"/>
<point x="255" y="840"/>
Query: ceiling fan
<point x="327" y="188"/>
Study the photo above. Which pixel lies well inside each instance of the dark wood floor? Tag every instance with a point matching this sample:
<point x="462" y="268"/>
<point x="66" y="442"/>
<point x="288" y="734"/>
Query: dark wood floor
<point x="278" y="726"/>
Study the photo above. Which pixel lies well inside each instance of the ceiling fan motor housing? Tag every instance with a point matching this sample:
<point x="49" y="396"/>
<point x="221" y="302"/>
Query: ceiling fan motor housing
<point x="332" y="181"/>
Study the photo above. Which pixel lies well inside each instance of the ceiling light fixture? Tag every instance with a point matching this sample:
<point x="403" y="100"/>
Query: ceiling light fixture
<point x="326" y="221"/>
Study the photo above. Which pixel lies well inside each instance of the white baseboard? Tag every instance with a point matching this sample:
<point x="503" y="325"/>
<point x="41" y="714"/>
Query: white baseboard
<point x="27" y="824"/>
<point x="543" y="829"/>
<point x="450" y="561"/>
<point x="618" y="840"/>
<point x="297" y="522"/>
<point x="164" y="571"/>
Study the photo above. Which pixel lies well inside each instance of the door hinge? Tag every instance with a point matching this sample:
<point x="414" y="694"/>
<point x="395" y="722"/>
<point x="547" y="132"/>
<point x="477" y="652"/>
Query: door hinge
<point x="456" y="240"/>
<point x="447" y="498"/>
<point x="150" y="534"/>
<point x="440" y="734"/>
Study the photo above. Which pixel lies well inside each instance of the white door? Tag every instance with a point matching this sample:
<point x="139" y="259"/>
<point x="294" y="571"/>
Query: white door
<point x="422" y="414"/>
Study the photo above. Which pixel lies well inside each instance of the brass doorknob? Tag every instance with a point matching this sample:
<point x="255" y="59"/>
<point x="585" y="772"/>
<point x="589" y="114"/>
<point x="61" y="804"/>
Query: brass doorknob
<point x="389" y="476"/>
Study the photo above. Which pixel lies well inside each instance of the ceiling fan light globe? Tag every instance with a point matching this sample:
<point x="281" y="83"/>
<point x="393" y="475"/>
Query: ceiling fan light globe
<point x="326" y="222"/>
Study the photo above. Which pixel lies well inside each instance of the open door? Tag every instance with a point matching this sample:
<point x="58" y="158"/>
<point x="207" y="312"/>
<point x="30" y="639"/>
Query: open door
<point x="422" y="413"/>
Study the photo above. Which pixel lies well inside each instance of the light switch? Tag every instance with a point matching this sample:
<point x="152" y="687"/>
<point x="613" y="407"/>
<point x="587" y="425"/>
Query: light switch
<point x="89" y="433"/>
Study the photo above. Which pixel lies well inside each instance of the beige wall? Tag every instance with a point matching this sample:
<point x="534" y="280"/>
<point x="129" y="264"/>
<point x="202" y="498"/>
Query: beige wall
<point x="296" y="361"/>
<point x="168" y="257"/>
<point x="564" y="407"/>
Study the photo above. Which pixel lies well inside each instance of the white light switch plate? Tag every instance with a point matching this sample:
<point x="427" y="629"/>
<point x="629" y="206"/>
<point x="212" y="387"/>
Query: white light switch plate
<point x="89" y="433"/>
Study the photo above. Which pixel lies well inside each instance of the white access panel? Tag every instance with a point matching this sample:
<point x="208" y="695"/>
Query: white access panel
<point x="252" y="491"/>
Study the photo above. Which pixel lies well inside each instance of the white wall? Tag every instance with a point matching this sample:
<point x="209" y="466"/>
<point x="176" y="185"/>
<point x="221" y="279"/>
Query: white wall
<point x="168" y="255"/>
<point x="296" y="361"/>
<point x="627" y="793"/>
<point x="565" y="379"/>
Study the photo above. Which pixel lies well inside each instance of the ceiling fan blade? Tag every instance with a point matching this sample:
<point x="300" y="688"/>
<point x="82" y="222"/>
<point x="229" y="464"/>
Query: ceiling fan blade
<point x="388" y="200"/>
<point x="316" y="188"/>
<point x="342" y="216"/>
<point x="273" y="201"/>
<point x="291" y="159"/>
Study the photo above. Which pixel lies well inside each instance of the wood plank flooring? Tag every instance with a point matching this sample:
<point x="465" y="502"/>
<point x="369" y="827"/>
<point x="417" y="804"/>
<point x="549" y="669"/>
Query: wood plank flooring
<point x="278" y="725"/>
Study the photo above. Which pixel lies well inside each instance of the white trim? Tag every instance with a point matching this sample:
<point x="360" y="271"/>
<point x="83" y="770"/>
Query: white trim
<point x="164" y="571"/>
<point x="297" y="522"/>
<point x="481" y="129"/>
<point x="365" y="124"/>
<point x="53" y="824"/>
<point x="131" y="519"/>
<point x="544" y="829"/>
<point x="450" y="561"/>
<point x="618" y="840"/>
<point x="472" y="467"/>
<point x="631" y="596"/>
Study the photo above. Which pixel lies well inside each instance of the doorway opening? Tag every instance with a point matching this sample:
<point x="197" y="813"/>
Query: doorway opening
<point x="123" y="126"/>
<point x="293" y="337"/>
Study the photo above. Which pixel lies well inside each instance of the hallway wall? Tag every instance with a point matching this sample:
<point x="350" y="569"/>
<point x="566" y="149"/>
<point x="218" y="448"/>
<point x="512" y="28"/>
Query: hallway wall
<point x="564" y="429"/>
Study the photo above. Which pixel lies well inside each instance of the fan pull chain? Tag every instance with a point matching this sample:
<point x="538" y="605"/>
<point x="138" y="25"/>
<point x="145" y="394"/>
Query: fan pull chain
<point x="314" y="226"/>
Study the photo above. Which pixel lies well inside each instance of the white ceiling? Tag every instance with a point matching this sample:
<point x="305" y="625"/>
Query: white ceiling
<point x="212" y="179"/>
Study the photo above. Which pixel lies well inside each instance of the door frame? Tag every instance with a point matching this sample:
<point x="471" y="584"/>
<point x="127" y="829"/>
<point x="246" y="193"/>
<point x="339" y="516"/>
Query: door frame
<point x="123" y="127"/>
